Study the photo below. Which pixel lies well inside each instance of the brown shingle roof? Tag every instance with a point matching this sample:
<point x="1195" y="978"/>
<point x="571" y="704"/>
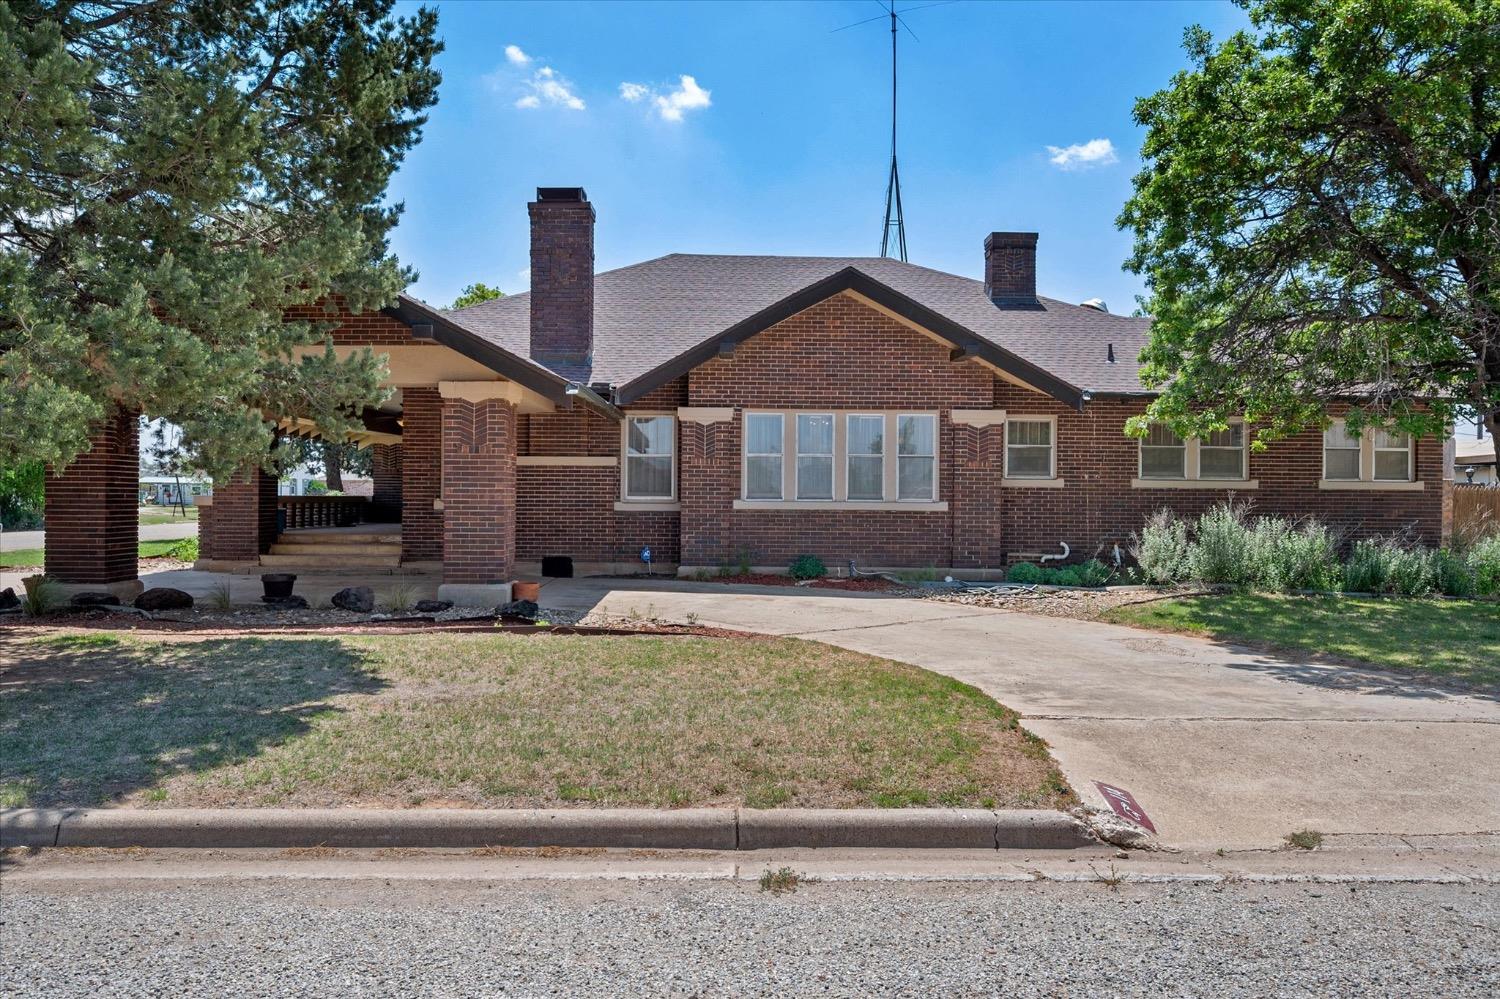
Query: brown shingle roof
<point x="649" y="313"/>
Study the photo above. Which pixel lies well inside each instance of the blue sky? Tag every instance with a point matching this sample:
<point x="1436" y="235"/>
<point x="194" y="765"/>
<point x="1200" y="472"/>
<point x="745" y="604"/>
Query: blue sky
<point x="780" y="144"/>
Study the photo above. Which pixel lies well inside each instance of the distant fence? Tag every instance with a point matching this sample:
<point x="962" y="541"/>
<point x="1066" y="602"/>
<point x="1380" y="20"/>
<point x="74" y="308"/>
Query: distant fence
<point x="1476" y="510"/>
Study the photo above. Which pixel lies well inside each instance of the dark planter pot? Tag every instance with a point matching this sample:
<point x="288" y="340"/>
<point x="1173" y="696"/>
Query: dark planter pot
<point x="278" y="585"/>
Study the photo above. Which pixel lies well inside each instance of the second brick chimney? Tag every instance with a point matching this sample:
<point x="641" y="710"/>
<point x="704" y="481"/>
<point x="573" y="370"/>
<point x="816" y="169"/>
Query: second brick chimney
<point x="562" y="275"/>
<point x="1010" y="268"/>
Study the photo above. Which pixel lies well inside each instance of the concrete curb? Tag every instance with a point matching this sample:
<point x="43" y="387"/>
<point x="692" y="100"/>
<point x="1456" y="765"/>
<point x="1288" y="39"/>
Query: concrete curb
<point x="679" y="829"/>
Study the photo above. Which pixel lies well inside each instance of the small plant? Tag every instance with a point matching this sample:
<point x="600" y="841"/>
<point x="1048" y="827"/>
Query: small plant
<point x="185" y="550"/>
<point x="1113" y="880"/>
<point x="1453" y="574"/>
<point x="1161" y="550"/>
<point x="691" y="618"/>
<point x="1305" y="839"/>
<point x="780" y="882"/>
<point x="1484" y="563"/>
<point x="43" y="596"/>
<point x="742" y="561"/>
<point x="1066" y="576"/>
<point x="1024" y="572"/>
<point x="1093" y="573"/>
<point x="807" y="567"/>
<point x="219" y="597"/>
<point x="1221" y="549"/>
<point x="400" y="598"/>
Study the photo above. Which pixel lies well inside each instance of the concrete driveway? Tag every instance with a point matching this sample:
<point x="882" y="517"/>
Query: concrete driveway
<point x="1221" y="745"/>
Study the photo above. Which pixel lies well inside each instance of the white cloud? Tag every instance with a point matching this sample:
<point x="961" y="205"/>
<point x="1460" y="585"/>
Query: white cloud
<point x="687" y="96"/>
<point x="1081" y="156"/>
<point x="514" y="55"/>
<point x="547" y="87"/>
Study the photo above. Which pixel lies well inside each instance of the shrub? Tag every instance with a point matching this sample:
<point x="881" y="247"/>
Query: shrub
<point x="1484" y="563"/>
<point x="808" y="567"/>
<point x="1094" y="573"/>
<point x="1222" y="549"/>
<point x="42" y="596"/>
<point x="1289" y="559"/>
<point x="1366" y="569"/>
<point x="1412" y="571"/>
<point x="1388" y="566"/>
<point x="1161" y="550"/>
<point x="185" y="550"/>
<point x="1067" y="576"/>
<point x="1452" y="573"/>
<point x="1024" y="572"/>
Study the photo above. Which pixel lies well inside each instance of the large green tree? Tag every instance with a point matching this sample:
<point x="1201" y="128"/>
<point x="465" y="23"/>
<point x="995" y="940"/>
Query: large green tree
<point x="176" y="175"/>
<point x="474" y="294"/>
<point x="1317" y="218"/>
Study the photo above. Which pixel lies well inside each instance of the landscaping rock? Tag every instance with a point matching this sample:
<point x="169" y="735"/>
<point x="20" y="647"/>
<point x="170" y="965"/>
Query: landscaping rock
<point x="293" y="602"/>
<point x="8" y="599"/>
<point x="355" y="598"/>
<point x="432" y="606"/>
<point x="160" y="598"/>
<point x="94" y="598"/>
<point x="527" y="609"/>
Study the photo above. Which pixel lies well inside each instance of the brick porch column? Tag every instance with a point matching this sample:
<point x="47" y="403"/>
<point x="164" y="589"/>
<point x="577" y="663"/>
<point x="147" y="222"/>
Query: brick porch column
<point x="479" y="495"/>
<point x="92" y="534"/>
<point x="421" y="474"/>
<point x="978" y="493"/>
<point x="708" y="481"/>
<point x="239" y="524"/>
<point x="385" y="471"/>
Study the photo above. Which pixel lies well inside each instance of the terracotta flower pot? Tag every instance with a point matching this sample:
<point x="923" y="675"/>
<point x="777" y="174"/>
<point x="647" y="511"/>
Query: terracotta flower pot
<point x="525" y="591"/>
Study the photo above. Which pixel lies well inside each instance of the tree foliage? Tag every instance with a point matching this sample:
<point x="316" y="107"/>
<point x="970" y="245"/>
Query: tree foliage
<point x="176" y="174"/>
<point x="474" y="294"/>
<point x="1317" y="218"/>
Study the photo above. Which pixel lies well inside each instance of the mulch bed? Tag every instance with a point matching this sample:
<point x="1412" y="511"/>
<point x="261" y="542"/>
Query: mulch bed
<point x="872" y="584"/>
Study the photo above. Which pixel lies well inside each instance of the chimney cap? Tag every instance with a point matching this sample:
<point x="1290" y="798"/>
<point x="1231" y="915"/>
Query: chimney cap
<point x="561" y="194"/>
<point x="1010" y="239"/>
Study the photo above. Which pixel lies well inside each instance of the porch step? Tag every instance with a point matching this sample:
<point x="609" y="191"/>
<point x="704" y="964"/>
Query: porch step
<point x="332" y="563"/>
<point x="348" y="549"/>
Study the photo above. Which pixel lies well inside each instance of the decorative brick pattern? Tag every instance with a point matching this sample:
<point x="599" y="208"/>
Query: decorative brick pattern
<point x="240" y="525"/>
<point x="385" y="475"/>
<point x="978" y="460"/>
<point x="91" y="507"/>
<point x="1010" y="266"/>
<point x="479" y="491"/>
<point x="421" y="474"/>
<point x="562" y="280"/>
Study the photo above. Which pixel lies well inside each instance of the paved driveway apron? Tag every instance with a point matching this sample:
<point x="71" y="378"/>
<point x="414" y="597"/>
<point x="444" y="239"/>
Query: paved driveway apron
<point x="1222" y="746"/>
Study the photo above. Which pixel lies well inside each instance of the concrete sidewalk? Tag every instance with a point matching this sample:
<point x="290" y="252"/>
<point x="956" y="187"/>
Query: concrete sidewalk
<point x="1222" y="746"/>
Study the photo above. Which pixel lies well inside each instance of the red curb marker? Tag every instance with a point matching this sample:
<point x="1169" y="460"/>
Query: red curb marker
<point x="1124" y="804"/>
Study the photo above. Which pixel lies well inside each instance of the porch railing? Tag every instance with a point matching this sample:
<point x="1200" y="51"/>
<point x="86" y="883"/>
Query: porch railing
<point x="322" y="511"/>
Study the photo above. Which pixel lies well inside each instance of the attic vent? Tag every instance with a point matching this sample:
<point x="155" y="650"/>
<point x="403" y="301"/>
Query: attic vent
<point x="1097" y="304"/>
<point x="1111" y="353"/>
<point x="421" y="331"/>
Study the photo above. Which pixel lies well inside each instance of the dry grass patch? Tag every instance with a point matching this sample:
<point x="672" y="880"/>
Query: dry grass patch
<point x="504" y="721"/>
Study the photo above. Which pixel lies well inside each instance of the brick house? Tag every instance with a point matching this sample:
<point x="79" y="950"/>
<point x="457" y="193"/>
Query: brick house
<point x="719" y="409"/>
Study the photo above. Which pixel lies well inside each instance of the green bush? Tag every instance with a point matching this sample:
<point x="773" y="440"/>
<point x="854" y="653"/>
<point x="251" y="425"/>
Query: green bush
<point x="185" y="550"/>
<point x="1484" y="563"/>
<point x="1291" y="558"/>
<point x="1412" y="571"/>
<point x="808" y="567"/>
<point x="1222" y="548"/>
<point x="1366" y="570"/>
<point x="1024" y="572"/>
<point x="1094" y="573"/>
<point x="1453" y="574"/>
<point x="1161" y="550"/>
<point x="1388" y="566"/>
<point x="1067" y="576"/>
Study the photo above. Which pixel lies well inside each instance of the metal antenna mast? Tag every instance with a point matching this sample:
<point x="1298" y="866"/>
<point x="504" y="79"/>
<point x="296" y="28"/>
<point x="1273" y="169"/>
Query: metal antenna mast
<point x="893" y="217"/>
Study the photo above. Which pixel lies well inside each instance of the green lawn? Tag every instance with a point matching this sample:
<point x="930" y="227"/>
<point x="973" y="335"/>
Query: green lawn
<point x="1451" y="638"/>
<point x="499" y="721"/>
<point x="31" y="558"/>
<point x="167" y="515"/>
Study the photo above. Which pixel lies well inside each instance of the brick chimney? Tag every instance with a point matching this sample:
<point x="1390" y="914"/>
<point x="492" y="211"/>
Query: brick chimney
<point x="562" y="275"/>
<point x="1010" y="268"/>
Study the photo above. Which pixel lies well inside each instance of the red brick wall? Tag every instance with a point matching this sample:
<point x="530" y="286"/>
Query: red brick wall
<point x="91" y="507"/>
<point x="240" y="525"/>
<point x="421" y="474"/>
<point x="479" y="491"/>
<point x="562" y="280"/>
<point x="385" y="475"/>
<point x="366" y="329"/>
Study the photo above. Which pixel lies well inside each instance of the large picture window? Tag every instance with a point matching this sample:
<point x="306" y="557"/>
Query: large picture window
<point x="763" y="449"/>
<point x="650" y="453"/>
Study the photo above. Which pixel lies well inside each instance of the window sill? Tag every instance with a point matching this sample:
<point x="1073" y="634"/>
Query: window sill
<point x="1234" y="485"/>
<point x="852" y="506"/>
<point x="1024" y="483"/>
<point x="1370" y="485"/>
<point x="647" y="506"/>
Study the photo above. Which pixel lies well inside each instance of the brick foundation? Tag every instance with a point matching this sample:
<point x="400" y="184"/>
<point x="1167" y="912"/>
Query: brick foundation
<point x="479" y="491"/>
<point x="91" y="507"/>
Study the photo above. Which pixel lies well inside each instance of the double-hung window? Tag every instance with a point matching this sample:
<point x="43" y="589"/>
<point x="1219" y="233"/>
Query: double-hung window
<point x="1392" y="455"/>
<point x="649" y="456"/>
<point x="1163" y="454"/>
<point x="916" y="457"/>
<point x="1340" y="453"/>
<point x="763" y="449"/>
<point x="1029" y="449"/>
<point x="815" y="456"/>
<point x="1218" y="457"/>
<point x="865" y="476"/>
<point x="1221" y="455"/>
<point x="1375" y="456"/>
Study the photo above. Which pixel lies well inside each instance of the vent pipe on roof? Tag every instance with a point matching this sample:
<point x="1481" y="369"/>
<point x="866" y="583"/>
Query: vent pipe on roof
<point x="1111" y="353"/>
<point x="562" y="276"/>
<point x="1097" y="304"/>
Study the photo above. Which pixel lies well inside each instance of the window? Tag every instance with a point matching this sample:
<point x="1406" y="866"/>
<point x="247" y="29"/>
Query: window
<point x="1392" y="455"/>
<point x="814" y="456"/>
<point x="916" y="457"/>
<point x="763" y="443"/>
<point x="1340" y="453"/>
<point x="1221" y="455"/>
<point x="866" y="449"/>
<point x="1163" y="454"/>
<point x="649" y="454"/>
<point x="1028" y="449"/>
